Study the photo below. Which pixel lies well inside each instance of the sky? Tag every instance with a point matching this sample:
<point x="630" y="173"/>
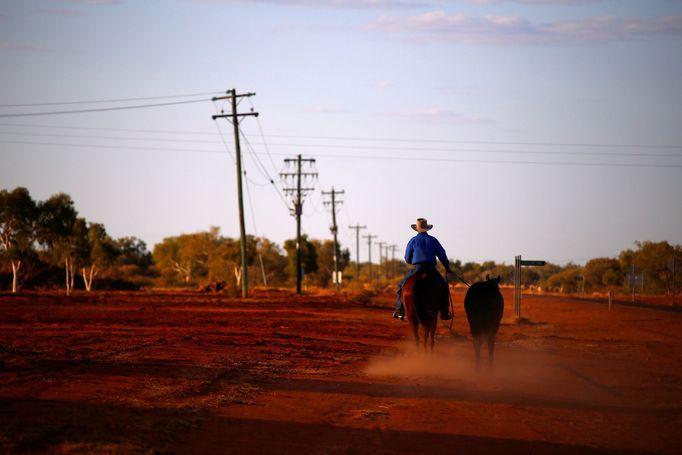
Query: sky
<point x="550" y="129"/>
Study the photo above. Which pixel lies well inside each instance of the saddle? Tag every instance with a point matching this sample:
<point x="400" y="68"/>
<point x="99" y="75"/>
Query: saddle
<point x="421" y="278"/>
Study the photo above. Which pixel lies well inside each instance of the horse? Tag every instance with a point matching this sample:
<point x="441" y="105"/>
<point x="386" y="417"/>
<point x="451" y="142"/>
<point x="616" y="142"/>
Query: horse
<point x="484" y="307"/>
<point x="422" y="294"/>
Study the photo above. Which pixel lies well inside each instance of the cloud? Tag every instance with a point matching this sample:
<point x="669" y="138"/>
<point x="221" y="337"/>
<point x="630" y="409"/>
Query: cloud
<point x="436" y="114"/>
<point x="335" y="4"/>
<point x="326" y="110"/>
<point x="382" y="85"/>
<point x="533" y="2"/>
<point x="497" y="29"/>
<point x="18" y="47"/>
<point x="95" y="2"/>
<point x="61" y="12"/>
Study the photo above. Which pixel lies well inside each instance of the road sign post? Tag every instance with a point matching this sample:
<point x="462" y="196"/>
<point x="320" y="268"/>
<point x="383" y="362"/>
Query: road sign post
<point x="518" y="263"/>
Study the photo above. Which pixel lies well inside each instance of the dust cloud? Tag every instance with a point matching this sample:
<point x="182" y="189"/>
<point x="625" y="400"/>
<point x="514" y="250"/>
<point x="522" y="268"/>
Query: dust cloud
<point x="454" y="362"/>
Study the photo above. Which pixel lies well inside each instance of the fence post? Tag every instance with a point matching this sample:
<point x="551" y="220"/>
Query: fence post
<point x="609" y="300"/>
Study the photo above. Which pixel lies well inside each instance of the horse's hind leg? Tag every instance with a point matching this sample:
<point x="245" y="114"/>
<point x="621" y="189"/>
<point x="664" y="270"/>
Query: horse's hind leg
<point x="415" y="330"/>
<point x="432" y="335"/>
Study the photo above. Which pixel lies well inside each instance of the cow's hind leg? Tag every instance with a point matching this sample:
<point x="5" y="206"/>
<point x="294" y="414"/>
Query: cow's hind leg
<point x="491" y="350"/>
<point x="477" y="351"/>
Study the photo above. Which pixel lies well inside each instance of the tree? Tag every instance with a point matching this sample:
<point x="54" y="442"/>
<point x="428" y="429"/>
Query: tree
<point x="566" y="280"/>
<point x="603" y="272"/>
<point x="173" y="259"/>
<point x="199" y="256"/>
<point x="652" y="259"/>
<point x="132" y="265"/>
<point x="17" y="226"/>
<point x="325" y="261"/>
<point x="55" y="231"/>
<point x="274" y="262"/>
<point x="308" y="256"/>
<point x="94" y="250"/>
<point x="132" y="251"/>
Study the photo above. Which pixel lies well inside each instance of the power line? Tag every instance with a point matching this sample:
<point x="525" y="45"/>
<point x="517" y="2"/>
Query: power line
<point x="452" y="141"/>
<point x="322" y="146"/>
<point x="371" y="139"/>
<point x="260" y="129"/>
<point x="130" y="130"/>
<point x="265" y="173"/>
<point x="104" y="109"/>
<point x="421" y="149"/>
<point x="362" y="157"/>
<point x="118" y="100"/>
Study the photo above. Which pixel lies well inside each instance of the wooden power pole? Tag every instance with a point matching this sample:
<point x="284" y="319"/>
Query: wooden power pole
<point x="381" y="257"/>
<point x="299" y="192"/>
<point x="369" y="238"/>
<point x="234" y="117"/>
<point x="334" y="230"/>
<point x="357" y="228"/>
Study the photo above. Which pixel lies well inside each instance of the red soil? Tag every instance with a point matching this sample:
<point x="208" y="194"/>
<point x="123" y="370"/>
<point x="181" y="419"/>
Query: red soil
<point x="192" y="373"/>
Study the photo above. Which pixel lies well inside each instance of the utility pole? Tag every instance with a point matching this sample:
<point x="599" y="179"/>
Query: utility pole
<point x="381" y="255"/>
<point x="369" y="238"/>
<point x="357" y="228"/>
<point x="234" y="117"/>
<point x="334" y="230"/>
<point x="299" y="192"/>
<point x="674" y="304"/>
<point x="632" y="281"/>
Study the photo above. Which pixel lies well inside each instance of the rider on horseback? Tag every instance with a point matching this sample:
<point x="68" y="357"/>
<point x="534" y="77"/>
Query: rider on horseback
<point x="422" y="251"/>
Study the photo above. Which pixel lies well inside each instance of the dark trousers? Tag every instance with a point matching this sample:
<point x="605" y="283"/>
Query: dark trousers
<point x="445" y="303"/>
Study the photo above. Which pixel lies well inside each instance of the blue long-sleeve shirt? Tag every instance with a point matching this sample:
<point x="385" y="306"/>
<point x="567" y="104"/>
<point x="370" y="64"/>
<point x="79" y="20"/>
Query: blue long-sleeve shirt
<point x="425" y="248"/>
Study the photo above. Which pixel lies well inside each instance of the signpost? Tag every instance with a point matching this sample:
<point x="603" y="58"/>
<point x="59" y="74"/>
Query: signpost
<point x="538" y="263"/>
<point x="518" y="263"/>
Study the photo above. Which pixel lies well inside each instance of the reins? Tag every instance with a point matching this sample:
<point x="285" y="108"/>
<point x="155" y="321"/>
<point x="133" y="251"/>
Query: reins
<point x="452" y="305"/>
<point x="459" y="277"/>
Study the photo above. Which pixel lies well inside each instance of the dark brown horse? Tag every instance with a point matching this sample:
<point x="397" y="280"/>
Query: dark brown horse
<point x="422" y="294"/>
<point x="484" y="306"/>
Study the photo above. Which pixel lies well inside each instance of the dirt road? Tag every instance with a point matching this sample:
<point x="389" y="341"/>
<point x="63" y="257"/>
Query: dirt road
<point x="320" y="374"/>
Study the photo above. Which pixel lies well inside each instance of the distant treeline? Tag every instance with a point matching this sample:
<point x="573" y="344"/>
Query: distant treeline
<point x="651" y="268"/>
<point x="45" y="244"/>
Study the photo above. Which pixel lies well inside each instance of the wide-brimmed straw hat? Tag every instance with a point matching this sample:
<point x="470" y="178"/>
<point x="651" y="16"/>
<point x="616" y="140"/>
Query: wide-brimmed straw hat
<point x="422" y="225"/>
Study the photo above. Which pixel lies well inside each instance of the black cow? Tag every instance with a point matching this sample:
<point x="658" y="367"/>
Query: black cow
<point x="484" y="306"/>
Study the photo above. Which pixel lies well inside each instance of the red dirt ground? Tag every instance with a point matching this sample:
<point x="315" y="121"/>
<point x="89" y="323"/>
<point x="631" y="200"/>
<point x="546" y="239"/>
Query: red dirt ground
<point x="321" y="374"/>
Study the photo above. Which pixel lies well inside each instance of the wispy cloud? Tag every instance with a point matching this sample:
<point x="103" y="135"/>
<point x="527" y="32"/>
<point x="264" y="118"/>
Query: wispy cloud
<point x="94" y="2"/>
<point x="442" y="26"/>
<point x="328" y="110"/>
<point x="436" y="114"/>
<point x="61" y="12"/>
<point x="335" y="4"/>
<point x="382" y="85"/>
<point x="19" y="47"/>
<point x="532" y="2"/>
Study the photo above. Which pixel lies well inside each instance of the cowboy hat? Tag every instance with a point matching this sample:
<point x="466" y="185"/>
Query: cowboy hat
<point x="422" y="225"/>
